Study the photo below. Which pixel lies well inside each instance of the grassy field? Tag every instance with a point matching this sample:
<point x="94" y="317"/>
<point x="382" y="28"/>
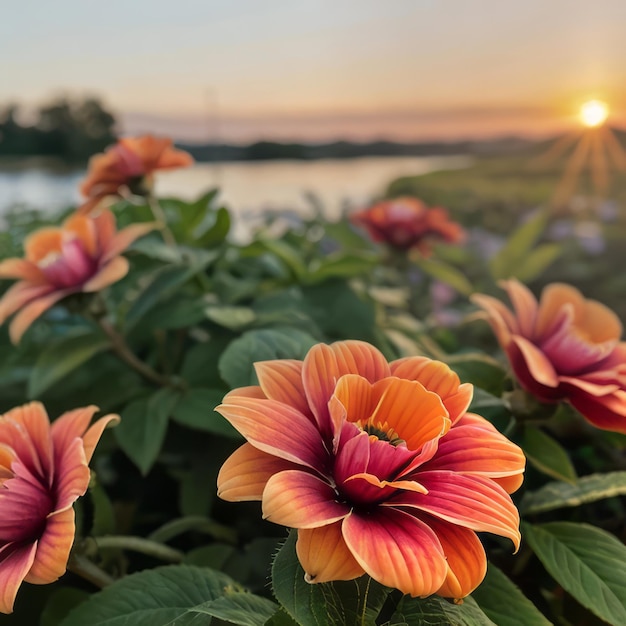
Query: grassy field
<point x="496" y="194"/>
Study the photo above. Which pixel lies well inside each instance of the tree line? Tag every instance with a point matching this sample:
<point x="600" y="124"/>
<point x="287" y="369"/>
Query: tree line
<point x="67" y="129"/>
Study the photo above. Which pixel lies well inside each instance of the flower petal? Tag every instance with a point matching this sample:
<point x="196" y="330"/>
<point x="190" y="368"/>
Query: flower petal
<point x="474" y="446"/>
<point x="108" y="274"/>
<point x="15" y="561"/>
<point x="40" y="243"/>
<point x="397" y="550"/>
<point x="474" y="502"/>
<point x="415" y="414"/>
<point x="22" y="321"/>
<point x="26" y="429"/>
<point x="536" y="362"/>
<point x="465" y="556"/>
<point x="83" y="227"/>
<point x="93" y="434"/>
<point x="438" y="378"/>
<point x="499" y="316"/>
<point x="325" y="364"/>
<point x="20" y="294"/>
<point x="605" y="412"/>
<point x="275" y="428"/>
<point x="71" y="474"/>
<point x="524" y="304"/>
<point x="300" y="500"/>
<point x="246" y="472"/>
<point x="21" y="269"/>
<point x="120" y="242"/>
<point x="53" y="549"/>
<point x="281" y="380"/>
<point x="324" y="555"/>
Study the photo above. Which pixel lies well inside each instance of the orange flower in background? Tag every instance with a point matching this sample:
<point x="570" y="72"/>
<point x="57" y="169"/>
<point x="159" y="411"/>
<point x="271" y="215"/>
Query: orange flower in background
<point x="406" y="223"/>
<point x="83" y="255"/>
<point x="377" y="465"/>
<point x="129" y="164"/>
<point x="43" y="471"/>
<point x="564" y="347"/>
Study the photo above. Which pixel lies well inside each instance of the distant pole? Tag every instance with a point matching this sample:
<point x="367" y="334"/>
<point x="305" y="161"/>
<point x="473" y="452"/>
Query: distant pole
<point x="213" y="131"/>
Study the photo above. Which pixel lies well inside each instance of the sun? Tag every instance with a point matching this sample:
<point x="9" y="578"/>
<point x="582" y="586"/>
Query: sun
<point x="594" y="113"/>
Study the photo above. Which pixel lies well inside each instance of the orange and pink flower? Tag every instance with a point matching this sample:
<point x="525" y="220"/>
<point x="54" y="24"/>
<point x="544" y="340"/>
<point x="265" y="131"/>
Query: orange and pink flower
<point x="406" y="223"/>
<point x="564" y="347"/>
<point x="129" y="166"/>
<point x="378" y="465"/>
<point x="43" y="470"/>
<point x="83" y="255"/>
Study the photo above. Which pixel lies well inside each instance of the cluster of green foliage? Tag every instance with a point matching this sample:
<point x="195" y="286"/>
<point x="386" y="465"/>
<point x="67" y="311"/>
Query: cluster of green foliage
<point x="198" y="315"/>
<point x="70" y="131"/>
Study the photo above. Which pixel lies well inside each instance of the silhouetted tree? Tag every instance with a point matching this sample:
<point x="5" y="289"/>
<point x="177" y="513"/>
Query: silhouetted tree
<point x="70" y="130"/>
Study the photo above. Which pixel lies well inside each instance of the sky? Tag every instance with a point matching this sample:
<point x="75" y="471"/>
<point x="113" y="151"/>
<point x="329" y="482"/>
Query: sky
<point x="317" y="70"/>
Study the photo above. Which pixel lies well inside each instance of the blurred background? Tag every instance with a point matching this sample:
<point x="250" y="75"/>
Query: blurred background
<point x="347" y="101"/>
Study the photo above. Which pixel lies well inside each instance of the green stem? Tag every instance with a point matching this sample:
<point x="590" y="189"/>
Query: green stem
<point x="121" y="349"/>
<point x="138" y="544"/>
<point x="83" y="567"/>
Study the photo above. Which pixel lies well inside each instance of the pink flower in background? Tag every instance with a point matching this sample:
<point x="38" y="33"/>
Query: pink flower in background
<point x="564" y="347"/>
<point x="130" y="163"/>
<point x="405" y="223"/>
<point x="377" y="465"/>
<point x="43" y="470"/>
<point x="83" y="255"/>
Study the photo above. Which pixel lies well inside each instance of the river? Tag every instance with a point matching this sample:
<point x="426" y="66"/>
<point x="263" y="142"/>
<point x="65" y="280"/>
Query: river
<point x="248" y="188"/>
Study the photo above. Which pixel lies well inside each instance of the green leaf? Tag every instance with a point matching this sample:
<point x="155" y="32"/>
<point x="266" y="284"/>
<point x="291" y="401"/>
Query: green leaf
<point x="339" y="312"/>
<point x="164" y="281"/>
<point x="287" y="254"/>
<point x="559" y="495"/>
<point x="103" y="514"/>
<point x="214" y="231"/>
<point x="196" y="409"/>
<point x="492" y="408"/>
<point x="503" y="602"/>
<point x="447" y="274"/>
<point x="143" y="427"/>
<point x="589" y="563"/>
<point x="162" y="597"/>
<point x="62" y="357"/>
<point x="236" y="362"/>
<point x="281" y="618"/>
<point x="547" y="455"/>
<point x="341" y="265"/>
<point x="436" y="611"/>
<point x="510" y="258"/>
<point x="537" y="261"/>
<point x="240" y="608"/>
<point x="351" y="603"/>
<point x="60" y="603"/>
<point x="480" y="370"/>
<point x="231" y="317"/>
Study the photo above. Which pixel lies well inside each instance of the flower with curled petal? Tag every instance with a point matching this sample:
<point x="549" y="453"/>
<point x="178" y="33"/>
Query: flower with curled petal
<point x="378" y="465"/>
<point x="43" y="470"/>
<point x="83" y="255"/>
<point x="405" y="223"/>
<point x="564" y="347"/>
<point x="129" y="165"/>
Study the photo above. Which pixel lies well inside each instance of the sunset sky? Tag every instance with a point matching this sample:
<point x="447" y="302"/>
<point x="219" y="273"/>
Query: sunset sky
<point x="241" y="70"/>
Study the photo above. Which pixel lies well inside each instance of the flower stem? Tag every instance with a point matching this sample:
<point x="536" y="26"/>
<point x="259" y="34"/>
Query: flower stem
<point x="121" y="349"/>
<point x="83" y="567"/>
<point x="144" y="546"/>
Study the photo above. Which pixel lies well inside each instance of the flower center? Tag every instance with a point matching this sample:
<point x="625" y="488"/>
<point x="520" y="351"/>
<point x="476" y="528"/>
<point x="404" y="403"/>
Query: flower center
<point x="383" y="432"/>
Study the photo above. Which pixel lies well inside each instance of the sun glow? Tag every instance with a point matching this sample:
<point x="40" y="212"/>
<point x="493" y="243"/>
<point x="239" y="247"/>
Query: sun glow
<point x="594" y="113"/>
